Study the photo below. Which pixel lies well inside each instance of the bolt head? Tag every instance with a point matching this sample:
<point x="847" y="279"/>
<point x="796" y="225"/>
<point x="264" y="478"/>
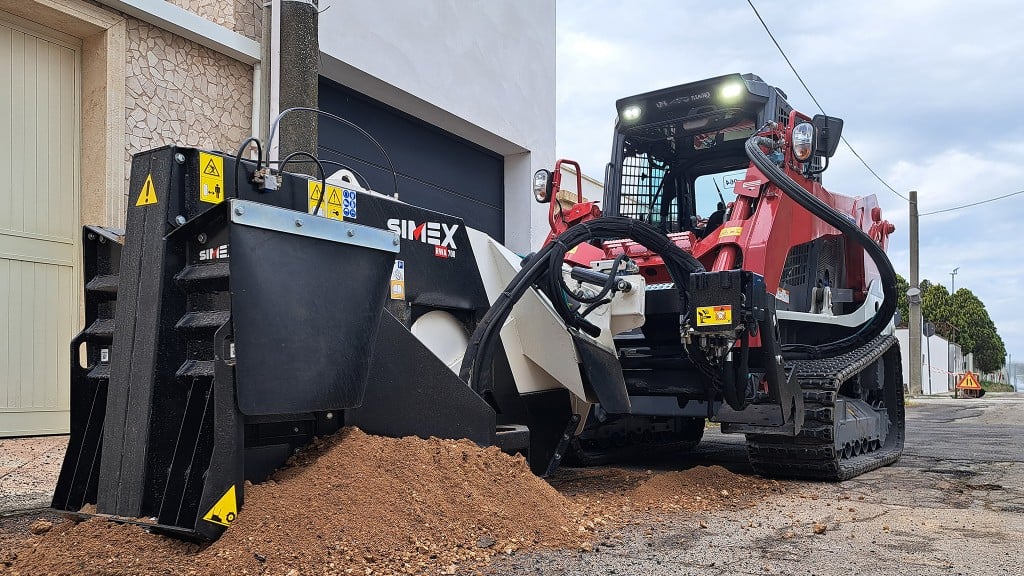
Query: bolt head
<point x="395" y="241"/>
<point x="298" y="223"/>
<point x="180" y="219"/>
<point x="329" y="415"/>
<point x="201" y="238"/>
<point x="179" y="158"/>
<point x="351" y="233"/>
<point x="239" y="210"/>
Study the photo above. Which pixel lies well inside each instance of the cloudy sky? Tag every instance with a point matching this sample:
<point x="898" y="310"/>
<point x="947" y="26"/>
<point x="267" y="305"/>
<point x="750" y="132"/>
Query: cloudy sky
<point x="930" y="93"/>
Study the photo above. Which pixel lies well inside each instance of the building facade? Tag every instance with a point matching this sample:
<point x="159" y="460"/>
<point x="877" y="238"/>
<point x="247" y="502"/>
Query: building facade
<point x="942" y="363"/>
<point x="462" y="96"/>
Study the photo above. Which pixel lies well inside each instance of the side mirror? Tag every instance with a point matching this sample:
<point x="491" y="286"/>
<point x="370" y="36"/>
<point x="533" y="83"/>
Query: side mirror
<point x="828" y="130"/>
<point x="542" y="184"/>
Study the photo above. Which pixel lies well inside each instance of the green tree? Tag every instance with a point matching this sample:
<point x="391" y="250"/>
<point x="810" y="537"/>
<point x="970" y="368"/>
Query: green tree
<point x="976" y="332"/>
<point x="902" y="305"/>
<point x="935" y="309"/>
<point x="960" y="318"/>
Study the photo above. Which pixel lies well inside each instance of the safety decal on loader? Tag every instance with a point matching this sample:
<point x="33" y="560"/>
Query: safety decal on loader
<point x="147" y="195"/>
<point x="714" y="315"/>
<point x="332" y="205"/>
<point x="351" y="203"/>
<point x="335" y="209"/>
<point x="730" y="231"/>
<point x="314" y="196"/>
<point x="225" y="510"/>
<point x="398" y="280"/>
<point x="211" y="178"/>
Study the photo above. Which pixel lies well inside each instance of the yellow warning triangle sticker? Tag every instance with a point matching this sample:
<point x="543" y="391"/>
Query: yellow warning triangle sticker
<point x="148" y="194"/>
<point x="969" y="381"/>
<point x="334" y="196"/>
<point x="211" y="169"/>
<point x="225" y="510"/>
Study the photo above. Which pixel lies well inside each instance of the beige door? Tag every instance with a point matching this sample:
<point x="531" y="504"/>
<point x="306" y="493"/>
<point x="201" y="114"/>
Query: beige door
<point x="39" y="275"/>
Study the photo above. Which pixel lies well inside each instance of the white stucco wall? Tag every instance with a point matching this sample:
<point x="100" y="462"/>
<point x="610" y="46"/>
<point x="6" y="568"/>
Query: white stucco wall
<point x="941" y="364"/>
<point x="484" y="70"/>
<point x="593" y="189"/>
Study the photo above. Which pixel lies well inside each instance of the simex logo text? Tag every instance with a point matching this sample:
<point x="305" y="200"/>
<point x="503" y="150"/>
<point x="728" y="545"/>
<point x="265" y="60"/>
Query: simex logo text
<point x="217" y="253"/>
<point x="438" y="234"/>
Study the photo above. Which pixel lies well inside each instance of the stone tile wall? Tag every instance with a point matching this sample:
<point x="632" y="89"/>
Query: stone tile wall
<point x="178" y="92"/>
<point x="249" y="18"/>
<point x="242" y="16"/>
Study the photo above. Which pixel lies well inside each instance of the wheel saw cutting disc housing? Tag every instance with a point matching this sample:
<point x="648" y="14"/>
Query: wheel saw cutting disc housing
<point x="444" y="335"/>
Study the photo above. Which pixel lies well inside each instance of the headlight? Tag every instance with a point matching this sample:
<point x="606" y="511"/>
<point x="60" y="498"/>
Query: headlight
<point x="631" y="113"/>
<point x="803" y="141"/>
<point x="731" y="90"/>
<point x="542" y="186"/>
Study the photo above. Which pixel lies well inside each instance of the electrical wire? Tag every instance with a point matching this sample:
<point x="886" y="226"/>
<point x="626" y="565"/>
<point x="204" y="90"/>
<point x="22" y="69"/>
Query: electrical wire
<point x="845" y="141"/>
<point x="818" y="104"/>
<point x="349" y="123"/>
<point x="971" y="204"/>
<point x="362" y="179"/>
<point x="238" y="157"/>
<point x="323" y="175"/>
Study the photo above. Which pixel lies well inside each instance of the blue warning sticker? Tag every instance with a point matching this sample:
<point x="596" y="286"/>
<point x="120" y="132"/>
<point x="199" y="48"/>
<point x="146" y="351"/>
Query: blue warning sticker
<point x="349" y="203"/>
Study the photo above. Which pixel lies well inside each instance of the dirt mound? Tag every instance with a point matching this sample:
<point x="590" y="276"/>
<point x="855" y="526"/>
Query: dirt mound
<point x="352" y="504"/>
<point x="703" y="488"/>
<point x="360" y="504"/>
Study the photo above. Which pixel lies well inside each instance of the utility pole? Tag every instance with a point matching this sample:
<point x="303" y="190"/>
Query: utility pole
<point x="952" y="328"/>
<point x="914" y="301"/>
<point x="298" y="81"/>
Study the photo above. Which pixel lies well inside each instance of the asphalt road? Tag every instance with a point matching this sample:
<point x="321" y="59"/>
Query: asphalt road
<point x="954" y="504"/>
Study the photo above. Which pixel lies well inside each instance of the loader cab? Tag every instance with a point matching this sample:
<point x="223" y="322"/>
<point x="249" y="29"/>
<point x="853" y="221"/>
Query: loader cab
<point x="678" y="151"/>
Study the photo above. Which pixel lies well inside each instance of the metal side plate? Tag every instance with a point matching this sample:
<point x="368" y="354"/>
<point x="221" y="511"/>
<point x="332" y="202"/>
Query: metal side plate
<point x="267" y="217"/>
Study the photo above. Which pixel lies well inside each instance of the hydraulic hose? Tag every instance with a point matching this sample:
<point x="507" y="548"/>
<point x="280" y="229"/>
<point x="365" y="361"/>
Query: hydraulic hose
<point x="539" y="270"/>
<point x="815" y="206"/>
<point x="609" y="282"/>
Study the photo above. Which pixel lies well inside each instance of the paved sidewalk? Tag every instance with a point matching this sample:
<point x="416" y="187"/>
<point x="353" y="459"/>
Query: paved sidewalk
<point x="28" y="471"/>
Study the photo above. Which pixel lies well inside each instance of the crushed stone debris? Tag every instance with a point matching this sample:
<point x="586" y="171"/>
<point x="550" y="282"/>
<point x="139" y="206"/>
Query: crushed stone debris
<point x="40" y="527"/>
<point x="353" y="503"/>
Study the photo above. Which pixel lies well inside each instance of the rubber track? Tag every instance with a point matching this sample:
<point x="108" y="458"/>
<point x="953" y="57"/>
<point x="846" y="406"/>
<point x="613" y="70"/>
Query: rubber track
<point x="812" y="454"/>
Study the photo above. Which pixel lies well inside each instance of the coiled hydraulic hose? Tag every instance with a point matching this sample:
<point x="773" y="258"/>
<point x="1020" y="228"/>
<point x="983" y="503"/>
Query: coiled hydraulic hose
<point x="540" y="270"/>
<point x="812" y="204"/>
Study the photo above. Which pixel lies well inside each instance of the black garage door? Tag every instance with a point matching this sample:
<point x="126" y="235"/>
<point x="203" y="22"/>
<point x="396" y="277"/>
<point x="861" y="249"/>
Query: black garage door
<point x="436" y="169"/>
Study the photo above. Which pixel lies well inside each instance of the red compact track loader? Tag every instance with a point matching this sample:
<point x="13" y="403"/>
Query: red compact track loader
<point x="785" y="331"/>
<point x="246" y="310"/>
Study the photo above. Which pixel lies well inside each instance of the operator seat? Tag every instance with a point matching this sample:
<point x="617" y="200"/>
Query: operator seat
<point x="714" y="221"/>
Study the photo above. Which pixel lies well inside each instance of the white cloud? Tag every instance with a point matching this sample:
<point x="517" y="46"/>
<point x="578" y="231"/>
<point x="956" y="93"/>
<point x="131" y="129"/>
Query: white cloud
<point x="955" y="177"/>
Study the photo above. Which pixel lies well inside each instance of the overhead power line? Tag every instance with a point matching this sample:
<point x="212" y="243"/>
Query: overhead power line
<point x="971" y="204"/>
<point x="818" y="104"/>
